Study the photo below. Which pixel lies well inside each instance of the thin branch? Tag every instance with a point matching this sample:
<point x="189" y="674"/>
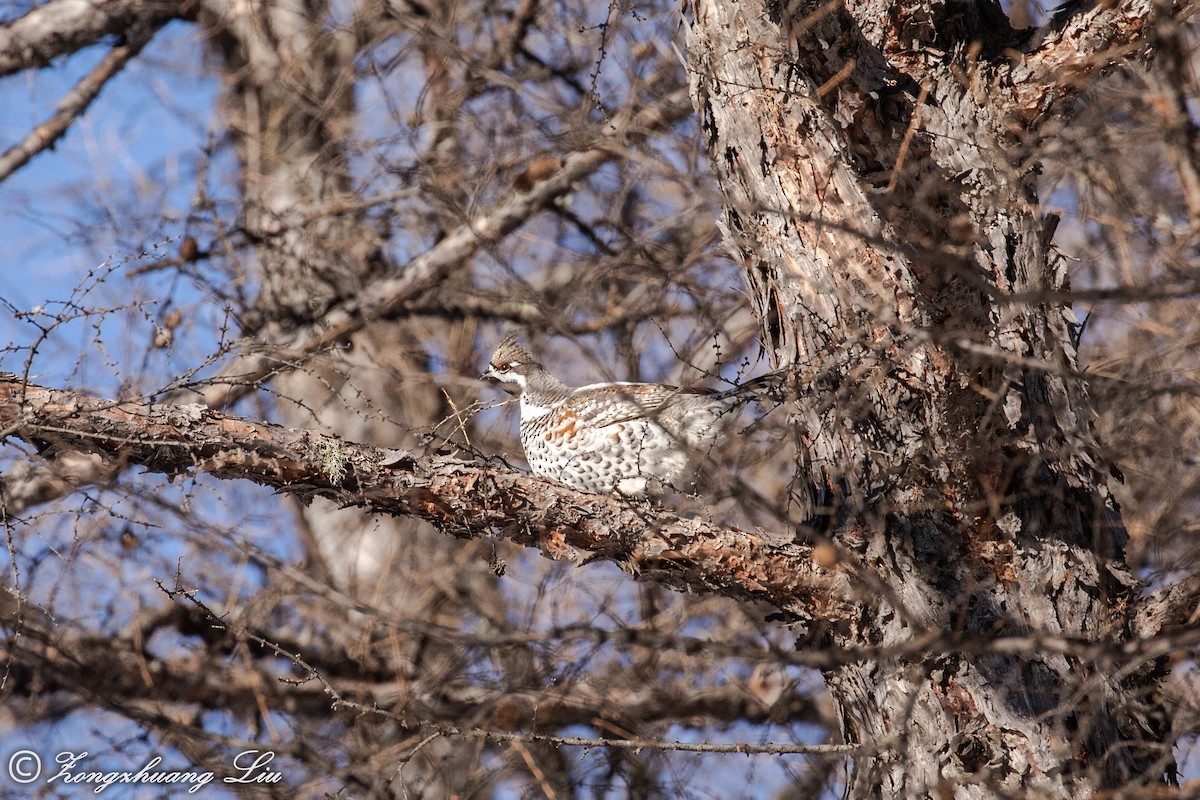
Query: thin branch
<point x="74" y="103"/>
<point x="387" y="297"/>
<point x="742" y="748"/>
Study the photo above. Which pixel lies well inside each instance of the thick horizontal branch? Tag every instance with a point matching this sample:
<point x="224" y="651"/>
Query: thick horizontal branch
<point x="1081" y="39"/>
<point x="466" y="498"/>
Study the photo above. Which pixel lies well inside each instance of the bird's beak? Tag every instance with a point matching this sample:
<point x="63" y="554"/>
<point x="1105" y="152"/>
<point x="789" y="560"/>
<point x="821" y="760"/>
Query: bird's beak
<point x="489" y="376"/>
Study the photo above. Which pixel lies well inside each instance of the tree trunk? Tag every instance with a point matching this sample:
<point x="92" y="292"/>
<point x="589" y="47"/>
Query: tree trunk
<point x="884" y="206"/>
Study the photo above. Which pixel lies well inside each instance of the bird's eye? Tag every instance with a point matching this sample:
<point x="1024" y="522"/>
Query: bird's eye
<point x="505" y="366"/>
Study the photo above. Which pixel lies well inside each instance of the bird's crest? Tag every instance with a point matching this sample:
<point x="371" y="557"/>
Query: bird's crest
<point x="509" y="351"/>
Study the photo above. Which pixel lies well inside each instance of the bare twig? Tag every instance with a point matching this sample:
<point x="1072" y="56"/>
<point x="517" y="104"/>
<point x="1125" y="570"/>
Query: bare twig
<point x="389" y="296"/>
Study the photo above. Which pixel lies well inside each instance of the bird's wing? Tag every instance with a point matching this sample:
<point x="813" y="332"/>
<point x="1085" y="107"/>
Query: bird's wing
<point x="602" y="404"/>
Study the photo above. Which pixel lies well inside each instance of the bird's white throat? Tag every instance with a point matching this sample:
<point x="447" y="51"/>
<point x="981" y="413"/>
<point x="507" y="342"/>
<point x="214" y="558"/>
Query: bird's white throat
<point x="532" y="411"/>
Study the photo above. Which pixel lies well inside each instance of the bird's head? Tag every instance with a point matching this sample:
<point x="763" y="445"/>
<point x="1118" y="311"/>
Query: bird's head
<point x="510" y="366"/>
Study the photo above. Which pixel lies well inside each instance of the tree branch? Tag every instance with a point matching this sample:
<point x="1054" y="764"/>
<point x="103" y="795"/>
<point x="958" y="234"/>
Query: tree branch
<point x="468" y="499"/>
<point x="390" y="296"/>
<point x="62" y="27"/>
<point x="45" y="658"/>
<point x="1080" y="39"/>
<point x="386" y="297"/>
<point x="31" y="483"/>
<point x="75" y="102"/>
<point x="1170" y="607"/>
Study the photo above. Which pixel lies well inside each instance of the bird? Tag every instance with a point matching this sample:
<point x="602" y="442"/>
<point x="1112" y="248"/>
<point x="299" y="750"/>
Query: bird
<point x="635" y="440"/>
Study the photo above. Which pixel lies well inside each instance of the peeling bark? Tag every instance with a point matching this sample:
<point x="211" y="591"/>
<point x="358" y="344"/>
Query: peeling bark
<point x="884" y="209"/>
